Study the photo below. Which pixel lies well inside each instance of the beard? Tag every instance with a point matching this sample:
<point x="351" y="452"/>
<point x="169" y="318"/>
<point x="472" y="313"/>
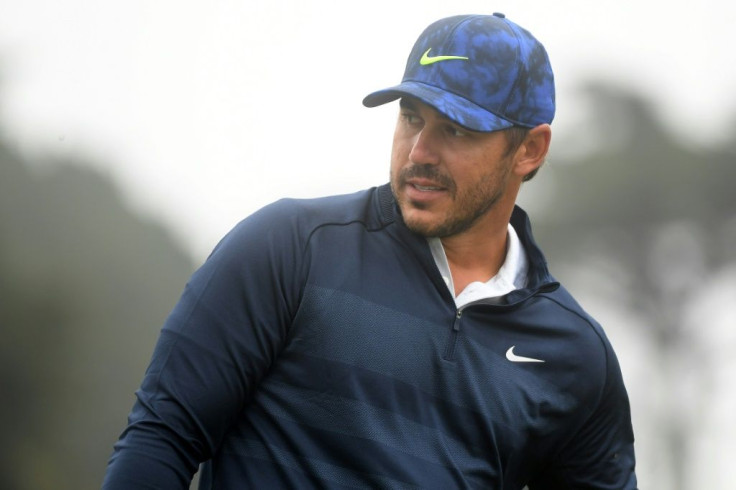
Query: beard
<point x="467" y="205"/>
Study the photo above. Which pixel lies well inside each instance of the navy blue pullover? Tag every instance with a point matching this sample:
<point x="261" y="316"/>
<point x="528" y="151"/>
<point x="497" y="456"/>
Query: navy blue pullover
<point x="318" y="347"/>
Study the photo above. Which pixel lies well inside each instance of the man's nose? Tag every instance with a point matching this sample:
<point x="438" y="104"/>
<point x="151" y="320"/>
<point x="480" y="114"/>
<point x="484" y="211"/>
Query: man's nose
<point x="424" y="148"/>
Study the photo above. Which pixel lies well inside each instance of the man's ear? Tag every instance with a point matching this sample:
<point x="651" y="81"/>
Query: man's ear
<point x="531" y="153"/>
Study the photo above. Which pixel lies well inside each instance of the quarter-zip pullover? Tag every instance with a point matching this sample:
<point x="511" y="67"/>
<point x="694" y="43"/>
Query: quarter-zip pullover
<point x="319" y="347"/>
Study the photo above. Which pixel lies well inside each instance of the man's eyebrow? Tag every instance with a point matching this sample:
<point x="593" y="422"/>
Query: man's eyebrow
<point x="405" y="103"/>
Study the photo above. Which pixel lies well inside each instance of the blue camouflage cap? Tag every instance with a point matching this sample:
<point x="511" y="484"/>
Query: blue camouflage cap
<point x="482" y="71"/>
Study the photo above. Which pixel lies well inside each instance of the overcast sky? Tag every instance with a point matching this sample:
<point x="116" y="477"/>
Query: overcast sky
<point x="205" y="111"/>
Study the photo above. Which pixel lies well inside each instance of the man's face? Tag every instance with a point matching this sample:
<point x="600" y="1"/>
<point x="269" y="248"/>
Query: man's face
<point x="445" y="178"/>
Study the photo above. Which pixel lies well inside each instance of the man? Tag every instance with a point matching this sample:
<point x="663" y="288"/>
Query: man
<point x="407" y="336"/>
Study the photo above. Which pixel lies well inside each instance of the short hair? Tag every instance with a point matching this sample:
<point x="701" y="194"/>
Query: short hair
<point x="515" y="136"/>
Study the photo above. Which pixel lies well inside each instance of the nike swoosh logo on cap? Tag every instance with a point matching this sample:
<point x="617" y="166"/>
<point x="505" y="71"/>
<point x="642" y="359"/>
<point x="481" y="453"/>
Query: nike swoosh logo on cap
<point x="428" y="60"/>
<point x="514" y="358"/>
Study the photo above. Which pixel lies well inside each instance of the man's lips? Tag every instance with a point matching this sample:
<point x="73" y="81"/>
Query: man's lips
<point x="426" y="188"/>
<point x="424" y="185"/>
<point x="423" y="192"/>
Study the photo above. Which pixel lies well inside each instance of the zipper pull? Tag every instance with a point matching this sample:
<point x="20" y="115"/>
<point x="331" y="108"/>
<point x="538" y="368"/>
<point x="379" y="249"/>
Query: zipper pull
<point x="456" y="323"/>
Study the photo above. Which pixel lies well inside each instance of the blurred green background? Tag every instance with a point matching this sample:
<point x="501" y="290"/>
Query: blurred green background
<point x="84" y="284"/>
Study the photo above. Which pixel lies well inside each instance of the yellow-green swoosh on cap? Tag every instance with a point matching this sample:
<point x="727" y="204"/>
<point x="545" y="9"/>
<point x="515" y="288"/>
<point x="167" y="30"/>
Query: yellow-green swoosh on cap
<point x="427" y="60"/>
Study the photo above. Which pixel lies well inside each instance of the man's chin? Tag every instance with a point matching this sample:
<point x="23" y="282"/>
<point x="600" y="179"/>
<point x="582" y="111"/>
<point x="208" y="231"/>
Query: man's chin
<point x="426" y="226"/>
<point x="420" y="218"/>
<point x="431" y="225"/>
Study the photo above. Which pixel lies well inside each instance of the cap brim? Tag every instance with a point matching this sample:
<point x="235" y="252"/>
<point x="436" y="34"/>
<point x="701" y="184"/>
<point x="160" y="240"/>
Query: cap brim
<point x="456" y="108"/>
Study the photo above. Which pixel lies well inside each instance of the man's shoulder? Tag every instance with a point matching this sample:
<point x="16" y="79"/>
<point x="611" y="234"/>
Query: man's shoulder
<point x="564" y="299"/>
<point x="301" y="216"/>
<point x="285" y="227"/>
<point x="576" y="324"/>
<point x="372" y="207"/>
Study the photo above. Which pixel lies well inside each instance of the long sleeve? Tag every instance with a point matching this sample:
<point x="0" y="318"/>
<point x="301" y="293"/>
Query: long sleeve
<point x="600" y="454"/>
<point x="215" y="346"/>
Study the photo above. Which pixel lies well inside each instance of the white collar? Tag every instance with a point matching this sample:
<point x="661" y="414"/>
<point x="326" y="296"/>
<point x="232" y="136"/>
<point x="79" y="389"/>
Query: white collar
<point x="512" y="274"/>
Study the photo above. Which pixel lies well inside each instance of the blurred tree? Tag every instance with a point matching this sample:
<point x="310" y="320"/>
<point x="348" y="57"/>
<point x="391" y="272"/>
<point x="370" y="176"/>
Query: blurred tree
<point x="662" y="212"/>
<point x="84" y="288"/>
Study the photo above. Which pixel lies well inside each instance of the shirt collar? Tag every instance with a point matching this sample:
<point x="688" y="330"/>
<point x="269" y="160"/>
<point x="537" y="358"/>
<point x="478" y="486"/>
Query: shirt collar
<point x="512" y="274"/>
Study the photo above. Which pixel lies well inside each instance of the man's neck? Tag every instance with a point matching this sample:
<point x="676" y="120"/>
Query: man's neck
<point x="475" y="256"/>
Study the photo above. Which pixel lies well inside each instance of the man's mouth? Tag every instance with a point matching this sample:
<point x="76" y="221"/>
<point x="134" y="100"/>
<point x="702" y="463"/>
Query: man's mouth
<point x="426" y="188"/>
<point x="425" y="180"/>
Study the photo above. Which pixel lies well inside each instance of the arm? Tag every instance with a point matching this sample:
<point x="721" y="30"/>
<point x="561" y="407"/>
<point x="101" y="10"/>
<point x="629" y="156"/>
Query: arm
<point x="217" y="343"/>
<point x="600" y="455"/>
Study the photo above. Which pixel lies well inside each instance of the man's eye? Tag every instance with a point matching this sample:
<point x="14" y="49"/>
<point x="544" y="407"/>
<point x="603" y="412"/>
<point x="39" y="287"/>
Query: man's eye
<point x="456" y="131"/>
<point x="411" y="118"/>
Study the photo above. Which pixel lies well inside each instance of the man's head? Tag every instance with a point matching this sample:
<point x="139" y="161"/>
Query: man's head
<point x="477" y="99"/>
